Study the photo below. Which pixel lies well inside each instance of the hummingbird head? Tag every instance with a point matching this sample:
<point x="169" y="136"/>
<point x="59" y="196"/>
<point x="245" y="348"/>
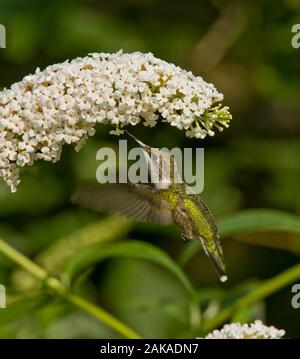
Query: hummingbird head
<point x="162" y="164"/>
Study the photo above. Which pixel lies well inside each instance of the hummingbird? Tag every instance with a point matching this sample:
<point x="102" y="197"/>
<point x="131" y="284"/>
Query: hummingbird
<point x="166" y="201"/>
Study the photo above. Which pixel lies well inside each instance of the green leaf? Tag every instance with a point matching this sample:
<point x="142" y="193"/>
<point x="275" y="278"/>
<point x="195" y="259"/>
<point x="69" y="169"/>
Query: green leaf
<point x="261" y="222"/>
<point x="263" y="290"/>
<point x="105" y="230"/>
<point x="54" y="257"/>
<point x="124" y="249"/>
<point x="21" y="308"/>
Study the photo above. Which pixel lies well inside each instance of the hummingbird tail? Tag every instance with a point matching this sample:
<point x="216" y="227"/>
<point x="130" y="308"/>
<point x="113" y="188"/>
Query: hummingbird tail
<point x="217" y="259"/>
<point x="219" y="266"/>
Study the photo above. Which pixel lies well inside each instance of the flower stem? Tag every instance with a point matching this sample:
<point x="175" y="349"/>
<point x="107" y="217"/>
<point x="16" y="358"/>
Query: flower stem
<point x="102" y="315"/>
<point x="54" y="284"/>
<point x="264" y="290"/>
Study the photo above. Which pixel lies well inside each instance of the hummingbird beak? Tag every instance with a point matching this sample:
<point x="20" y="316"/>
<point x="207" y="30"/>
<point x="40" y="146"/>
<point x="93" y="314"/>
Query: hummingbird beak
<point x="145" y="147"/>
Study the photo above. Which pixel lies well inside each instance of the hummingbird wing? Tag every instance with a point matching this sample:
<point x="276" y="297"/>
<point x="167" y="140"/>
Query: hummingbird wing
<point x="136" y="201"/>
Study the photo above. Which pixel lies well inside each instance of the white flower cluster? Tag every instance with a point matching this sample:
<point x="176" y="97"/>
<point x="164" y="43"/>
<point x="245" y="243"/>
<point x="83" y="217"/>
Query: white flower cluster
<point x="63" y="103"/>
<point x="256" y="330"/>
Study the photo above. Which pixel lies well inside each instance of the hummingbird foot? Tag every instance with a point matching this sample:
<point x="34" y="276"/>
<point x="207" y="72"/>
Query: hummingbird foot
<point x="185" y="237"/>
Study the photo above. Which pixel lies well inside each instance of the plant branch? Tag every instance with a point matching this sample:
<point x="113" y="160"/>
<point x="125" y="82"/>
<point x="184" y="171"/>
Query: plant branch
<point x="54" y="284"/>
<point x="264" y="290"/>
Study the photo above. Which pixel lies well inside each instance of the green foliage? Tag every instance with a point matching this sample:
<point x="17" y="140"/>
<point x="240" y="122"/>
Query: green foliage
<point x="82" y="261"/>
<point x="252" y="175"/>
<point x="55" y="257"/>
<point x="256" y="222"/>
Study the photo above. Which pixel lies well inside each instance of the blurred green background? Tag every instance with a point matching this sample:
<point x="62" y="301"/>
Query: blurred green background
<point x="244" y="48"/>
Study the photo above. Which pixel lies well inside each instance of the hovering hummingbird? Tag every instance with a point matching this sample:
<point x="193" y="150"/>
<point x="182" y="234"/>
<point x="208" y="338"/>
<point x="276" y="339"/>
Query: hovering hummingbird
<point x="164" y="202"/>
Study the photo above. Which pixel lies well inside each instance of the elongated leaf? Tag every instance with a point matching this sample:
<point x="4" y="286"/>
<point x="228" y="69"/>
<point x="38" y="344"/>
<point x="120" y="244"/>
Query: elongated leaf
<point x="54" y="257"/>
<point x="105" y="230"/>
<point x="124" y="249"/>
<point x="260" y="221"/>
<point x="21" y="308"/>
<point x="262" y="291"/>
